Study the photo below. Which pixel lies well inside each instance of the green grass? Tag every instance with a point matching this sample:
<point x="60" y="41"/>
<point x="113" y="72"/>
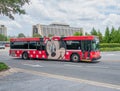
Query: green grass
<point x="3" y="66"/>
<point x="110" y="49"/>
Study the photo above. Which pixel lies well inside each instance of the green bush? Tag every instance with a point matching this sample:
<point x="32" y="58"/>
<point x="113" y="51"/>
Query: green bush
<point x="109" y="45"/>
<point x="3" y="66"/>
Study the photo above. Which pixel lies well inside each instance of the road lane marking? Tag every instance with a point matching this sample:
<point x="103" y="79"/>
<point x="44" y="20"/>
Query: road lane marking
<point x="95" y="83"/>
<point x="104" y="67"/>
<point x="36" y="65"/>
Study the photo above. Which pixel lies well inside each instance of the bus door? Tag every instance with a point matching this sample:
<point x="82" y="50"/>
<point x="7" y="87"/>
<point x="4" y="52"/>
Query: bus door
<point x="86" y="48"/>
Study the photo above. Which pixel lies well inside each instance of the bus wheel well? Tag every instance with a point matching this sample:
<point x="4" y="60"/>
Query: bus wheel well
<point x="25" y="55"/>
<point x="24" y="52"/>
<point x="75" y="57"/>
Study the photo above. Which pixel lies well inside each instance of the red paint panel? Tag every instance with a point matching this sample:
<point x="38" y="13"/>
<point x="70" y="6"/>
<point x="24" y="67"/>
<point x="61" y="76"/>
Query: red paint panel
<point x="14" y="53"/>
<point x="56" y="38"/>
<point x="94" y="54"/>
<point x="67" y="55"/>
<point x="24" y="39"/>
<point x="79" y="38"/>
<point x="31" y="53"/>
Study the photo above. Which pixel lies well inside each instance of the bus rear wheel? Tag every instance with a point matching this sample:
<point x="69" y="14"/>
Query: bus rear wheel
<point x="25" y="56"/>
<point x="75" y="58"/>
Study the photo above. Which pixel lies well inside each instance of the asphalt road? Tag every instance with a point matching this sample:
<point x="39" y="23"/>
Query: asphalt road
<point x="103" y="75"/>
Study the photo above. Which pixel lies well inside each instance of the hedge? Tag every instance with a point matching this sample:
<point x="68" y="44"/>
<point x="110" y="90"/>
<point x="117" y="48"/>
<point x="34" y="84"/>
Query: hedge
<point x="109" y="45"/>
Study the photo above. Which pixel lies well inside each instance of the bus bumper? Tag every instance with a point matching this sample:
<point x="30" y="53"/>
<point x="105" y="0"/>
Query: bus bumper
<point x="96" y="58"/>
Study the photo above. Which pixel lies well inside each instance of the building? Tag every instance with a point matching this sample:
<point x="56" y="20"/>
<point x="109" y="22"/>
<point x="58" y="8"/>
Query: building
<point x="3" y="30"/>
<point x="55" y="29"/>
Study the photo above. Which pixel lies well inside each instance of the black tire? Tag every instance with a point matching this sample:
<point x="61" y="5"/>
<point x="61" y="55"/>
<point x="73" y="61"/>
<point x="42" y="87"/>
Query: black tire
<point x="25" y="56"/>
<point x="75" y="58"/>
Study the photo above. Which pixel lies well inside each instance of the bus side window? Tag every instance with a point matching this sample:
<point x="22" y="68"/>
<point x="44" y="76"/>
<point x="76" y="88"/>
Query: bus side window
<point x="79" y="47"/>
<point x="38" y="46"/>
<point x="11" y="45"/>
<point x="74" y="45"/>
<point x="25" y="45"/>
<point x="86" y="45"/>
<point x="32" y="45"/>
<point x="19" y="45"/>
<point x="82" y="45"/>
<point x="43" y="47"/>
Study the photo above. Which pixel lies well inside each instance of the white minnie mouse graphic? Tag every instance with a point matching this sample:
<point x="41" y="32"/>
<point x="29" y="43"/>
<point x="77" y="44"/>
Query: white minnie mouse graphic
<point x="55" y="50"/>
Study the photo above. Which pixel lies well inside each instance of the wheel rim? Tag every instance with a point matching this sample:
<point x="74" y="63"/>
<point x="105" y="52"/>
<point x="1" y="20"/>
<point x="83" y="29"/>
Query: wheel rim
<point x="75" y="58"/>
<point x="25" y="56"/>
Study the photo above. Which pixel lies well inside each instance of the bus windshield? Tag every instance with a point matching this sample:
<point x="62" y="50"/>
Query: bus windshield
<point x="95" y="44"/>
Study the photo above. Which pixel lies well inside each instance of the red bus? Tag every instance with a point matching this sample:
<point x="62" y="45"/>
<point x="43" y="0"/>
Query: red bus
<point x="71" y="48"/>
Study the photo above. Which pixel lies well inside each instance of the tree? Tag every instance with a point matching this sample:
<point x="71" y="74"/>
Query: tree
<point x="119" y="29"/>
<point x="107" y="35"/>
<point x="115" y="35"/>
<point x="100" y="36"/>
<point x="112" y="34"/>
<point x="86" y="34"/>
<point x="93" y="32"/>
<point x="3" y="38"/>
<point x="21" y="35"/>
<point x="50" y="35"/>
<point x="119" y="35"/>
<point x="11" y="7"/>
<point x="62" y="35"/>
<point x="37" y="35"/>
<point x="78" y="34"/>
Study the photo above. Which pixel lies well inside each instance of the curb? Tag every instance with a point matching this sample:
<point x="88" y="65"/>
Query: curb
<point x="8" y="72"/>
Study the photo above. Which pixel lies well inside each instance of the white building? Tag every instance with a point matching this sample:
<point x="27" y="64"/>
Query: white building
<point x="3" y="30"/>
<point x="55" y="29"/>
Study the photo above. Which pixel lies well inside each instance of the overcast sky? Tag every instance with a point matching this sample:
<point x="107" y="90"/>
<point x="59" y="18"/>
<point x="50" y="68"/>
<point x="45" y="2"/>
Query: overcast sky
<point x="76" y="13"/>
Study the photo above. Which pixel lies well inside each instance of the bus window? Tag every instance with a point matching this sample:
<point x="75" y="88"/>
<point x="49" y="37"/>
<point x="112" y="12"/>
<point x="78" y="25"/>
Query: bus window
<point x="40" y="46"/>
<point x="19" y="45"/>
<point x="32" y="45"/>
<point x="86" y="45"/>
<point x="62" y="44"/>
<point x="73" y="45"/>
<point x="43" y="46"/>
<point x="95" y="45"/>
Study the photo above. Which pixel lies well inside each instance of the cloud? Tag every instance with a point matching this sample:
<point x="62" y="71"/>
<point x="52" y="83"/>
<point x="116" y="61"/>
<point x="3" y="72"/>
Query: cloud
<point x="112" y="20"/>
<point x="77" y="13"/>
<point x="10" y="23"/>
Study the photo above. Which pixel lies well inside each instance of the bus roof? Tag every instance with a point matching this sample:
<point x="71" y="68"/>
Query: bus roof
<point x="79" y="38"/>
<point x="55" y="38"/>
<point x="24" y="39"/>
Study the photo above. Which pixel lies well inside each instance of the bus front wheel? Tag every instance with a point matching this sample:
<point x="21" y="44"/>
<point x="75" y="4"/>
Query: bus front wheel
<point x="25" y="56"/>
<point x="75" y="58"/>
